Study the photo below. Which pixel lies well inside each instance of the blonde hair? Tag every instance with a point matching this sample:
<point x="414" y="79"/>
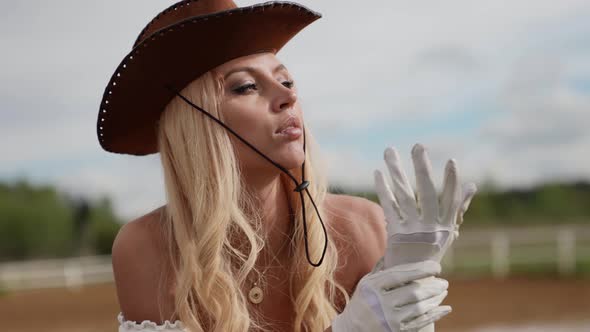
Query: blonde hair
<point x="214" y="239"/>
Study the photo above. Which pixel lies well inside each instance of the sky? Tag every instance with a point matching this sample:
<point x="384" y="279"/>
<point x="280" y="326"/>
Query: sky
<point x="501" y="86"/>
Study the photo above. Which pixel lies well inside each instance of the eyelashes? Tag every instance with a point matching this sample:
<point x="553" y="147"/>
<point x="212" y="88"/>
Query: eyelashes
<point x="244" y="88"/>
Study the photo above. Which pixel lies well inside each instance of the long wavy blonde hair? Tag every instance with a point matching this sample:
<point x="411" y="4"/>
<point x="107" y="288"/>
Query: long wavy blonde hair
<point x="213" y="237"/>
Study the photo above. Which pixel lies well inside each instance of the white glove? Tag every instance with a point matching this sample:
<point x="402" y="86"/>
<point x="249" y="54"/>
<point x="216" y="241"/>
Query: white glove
<point x="392" y="300"/>
<point x="420" y="229"/>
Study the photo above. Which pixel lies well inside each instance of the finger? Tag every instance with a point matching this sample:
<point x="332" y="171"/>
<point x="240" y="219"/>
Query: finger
<point x="412" y="311"/>
<point x="450" y="194"/>
<point x="427" y="197"/>
<point x="399" y="275"/>
<point x="402" y="190"/>
<point x="416" y="291"/>
<point x="469" y="190"/>
<point x="428" y="317"/>
<point x="386" y="199"/>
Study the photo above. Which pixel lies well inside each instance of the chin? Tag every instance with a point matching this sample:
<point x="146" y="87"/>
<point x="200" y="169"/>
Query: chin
<point x="292" y="160"/>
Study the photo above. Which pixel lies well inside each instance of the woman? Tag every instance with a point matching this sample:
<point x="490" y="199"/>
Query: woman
<point x="241" y="243"/>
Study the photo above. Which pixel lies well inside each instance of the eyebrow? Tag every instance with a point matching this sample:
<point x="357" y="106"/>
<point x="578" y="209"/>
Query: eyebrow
<point x="251" y="70"/>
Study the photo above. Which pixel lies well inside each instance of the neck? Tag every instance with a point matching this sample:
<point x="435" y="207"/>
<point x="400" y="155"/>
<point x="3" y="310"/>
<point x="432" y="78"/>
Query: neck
<point x="271" y="202"/>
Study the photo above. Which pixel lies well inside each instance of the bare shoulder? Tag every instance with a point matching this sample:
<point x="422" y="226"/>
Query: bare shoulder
<point x="137" y="268"/>
<point x="363" y="220"/>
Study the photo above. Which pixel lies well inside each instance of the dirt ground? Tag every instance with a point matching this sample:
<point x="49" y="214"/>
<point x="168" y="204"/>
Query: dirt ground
<point x="476" y="304"/>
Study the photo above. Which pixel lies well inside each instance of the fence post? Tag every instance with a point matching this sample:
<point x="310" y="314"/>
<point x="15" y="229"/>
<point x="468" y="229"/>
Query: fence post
<point x="73" y="275"/>
<point x="500" y="255"/>
<point x="566" y="251"/>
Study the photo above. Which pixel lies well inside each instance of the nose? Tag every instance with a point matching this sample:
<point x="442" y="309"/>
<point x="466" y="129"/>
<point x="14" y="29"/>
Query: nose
<point x="284" y="98"/>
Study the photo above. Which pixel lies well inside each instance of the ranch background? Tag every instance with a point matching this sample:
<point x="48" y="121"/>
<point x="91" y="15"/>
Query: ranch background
<point x="507" y="272"/>
<point x="501" y="86"/>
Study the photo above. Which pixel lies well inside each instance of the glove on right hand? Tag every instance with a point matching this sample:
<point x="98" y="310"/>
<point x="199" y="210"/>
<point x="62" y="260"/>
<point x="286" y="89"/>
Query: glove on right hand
<point x="423" y="228"/>
<point x="394" y="299"/>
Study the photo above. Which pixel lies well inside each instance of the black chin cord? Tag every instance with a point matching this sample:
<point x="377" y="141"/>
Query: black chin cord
<point x="300" y="186"/>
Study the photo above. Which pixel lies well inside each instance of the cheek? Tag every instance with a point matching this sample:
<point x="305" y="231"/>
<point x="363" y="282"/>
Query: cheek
<point x="247" y="122"/>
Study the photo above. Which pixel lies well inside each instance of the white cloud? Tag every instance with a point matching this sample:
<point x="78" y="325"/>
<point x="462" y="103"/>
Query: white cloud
<point x="135" y="185"/>
<point x="543" y="132"/>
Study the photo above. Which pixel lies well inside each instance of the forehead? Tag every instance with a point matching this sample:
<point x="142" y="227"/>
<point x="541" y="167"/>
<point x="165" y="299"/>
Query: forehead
<point x="265" y="60"/>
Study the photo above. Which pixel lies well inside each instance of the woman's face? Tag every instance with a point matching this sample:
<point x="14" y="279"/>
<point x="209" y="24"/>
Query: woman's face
<point x="260" y="98"/>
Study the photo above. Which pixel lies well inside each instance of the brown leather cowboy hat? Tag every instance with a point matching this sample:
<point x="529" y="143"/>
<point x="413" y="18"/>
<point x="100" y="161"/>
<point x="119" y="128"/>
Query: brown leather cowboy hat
<point x="177" y="46"/>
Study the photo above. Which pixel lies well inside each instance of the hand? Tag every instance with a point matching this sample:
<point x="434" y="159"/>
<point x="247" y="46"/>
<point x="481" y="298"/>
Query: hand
<point x="421" y="228"/>
<point x="395" y="300"/>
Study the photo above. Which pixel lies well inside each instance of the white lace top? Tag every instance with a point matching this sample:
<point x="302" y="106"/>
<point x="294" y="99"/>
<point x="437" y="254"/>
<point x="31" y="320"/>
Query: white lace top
<point x="148" y="326"/>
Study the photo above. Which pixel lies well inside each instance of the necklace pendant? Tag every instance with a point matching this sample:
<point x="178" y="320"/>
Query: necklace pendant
<point x="255" y="295"/>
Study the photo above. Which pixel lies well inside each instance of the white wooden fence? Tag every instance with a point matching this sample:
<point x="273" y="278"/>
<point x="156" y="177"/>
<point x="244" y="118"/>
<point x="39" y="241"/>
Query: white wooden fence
<point x="495" y="249"/>
<point x="498" y="249"/>
<point x="72" y="273"/>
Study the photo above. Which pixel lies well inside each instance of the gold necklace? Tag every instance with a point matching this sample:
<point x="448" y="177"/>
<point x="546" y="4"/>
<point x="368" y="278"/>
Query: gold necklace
<point x="256" y="295"/>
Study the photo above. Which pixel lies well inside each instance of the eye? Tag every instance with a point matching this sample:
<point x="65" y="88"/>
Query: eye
<point x="244" y="88"/>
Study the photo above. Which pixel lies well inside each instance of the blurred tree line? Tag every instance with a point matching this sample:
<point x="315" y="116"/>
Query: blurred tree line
<point x="40" y="222"/>
<point x="547" y="203"/>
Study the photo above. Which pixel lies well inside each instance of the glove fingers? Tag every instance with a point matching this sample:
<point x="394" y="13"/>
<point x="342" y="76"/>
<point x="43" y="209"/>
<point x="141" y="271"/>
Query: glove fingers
<point x="469" y="190"/>
<point x="416" y="309"/>
<point x="450" y="196"/>
<point x="427" y="196"/>
<point x="398" y="275"/>
<point x="416" y="291"/>
<point x="402" y="189"/>
<point x="387" y="200"/>
<point x="427" y="318"/>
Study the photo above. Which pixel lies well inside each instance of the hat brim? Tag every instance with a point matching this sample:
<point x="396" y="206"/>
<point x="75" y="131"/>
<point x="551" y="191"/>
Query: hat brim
<point x="178" y="54"/>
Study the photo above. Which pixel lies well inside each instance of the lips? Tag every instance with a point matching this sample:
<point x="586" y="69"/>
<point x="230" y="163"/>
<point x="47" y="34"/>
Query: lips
<point x="290" y="122"/>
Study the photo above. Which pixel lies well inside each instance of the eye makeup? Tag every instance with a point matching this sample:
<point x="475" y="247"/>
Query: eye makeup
<point x="246" y="87"/>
